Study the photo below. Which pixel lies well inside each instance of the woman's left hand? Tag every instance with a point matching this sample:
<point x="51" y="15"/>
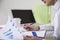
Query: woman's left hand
<point x="31" y="38"/>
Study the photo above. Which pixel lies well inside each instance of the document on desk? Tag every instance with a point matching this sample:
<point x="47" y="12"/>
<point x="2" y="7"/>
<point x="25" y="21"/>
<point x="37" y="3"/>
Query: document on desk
<point x="11" y="31"/>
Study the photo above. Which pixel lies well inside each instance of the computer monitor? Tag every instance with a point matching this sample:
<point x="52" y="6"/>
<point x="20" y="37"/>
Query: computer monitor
<point x="25" y="15"/>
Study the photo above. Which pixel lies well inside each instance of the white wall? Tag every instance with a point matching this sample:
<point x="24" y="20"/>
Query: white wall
<point x="7" y="5"/>
<point x="20" y="4"/>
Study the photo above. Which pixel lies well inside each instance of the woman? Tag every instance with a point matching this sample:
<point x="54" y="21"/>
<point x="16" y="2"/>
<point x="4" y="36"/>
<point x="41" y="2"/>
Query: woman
<point x="55" y="22"/>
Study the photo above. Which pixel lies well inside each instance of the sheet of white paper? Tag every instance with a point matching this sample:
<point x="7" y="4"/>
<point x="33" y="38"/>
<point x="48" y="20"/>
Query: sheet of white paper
<point x="11" y="31"/>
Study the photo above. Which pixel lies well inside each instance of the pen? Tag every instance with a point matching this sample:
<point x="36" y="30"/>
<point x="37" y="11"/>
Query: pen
<point x="34" y="34"/>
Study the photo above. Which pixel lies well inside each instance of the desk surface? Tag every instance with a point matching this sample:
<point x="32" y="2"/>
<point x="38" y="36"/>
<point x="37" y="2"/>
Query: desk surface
<point x="49" y="35"/>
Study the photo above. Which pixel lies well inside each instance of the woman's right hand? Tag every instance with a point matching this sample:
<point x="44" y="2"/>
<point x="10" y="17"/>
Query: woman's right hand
<point x="30" y="27"/>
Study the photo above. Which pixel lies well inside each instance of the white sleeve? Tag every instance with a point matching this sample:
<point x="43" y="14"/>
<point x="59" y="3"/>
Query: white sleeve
<point x="46" y="27"/>
<point x="57" y="25"/>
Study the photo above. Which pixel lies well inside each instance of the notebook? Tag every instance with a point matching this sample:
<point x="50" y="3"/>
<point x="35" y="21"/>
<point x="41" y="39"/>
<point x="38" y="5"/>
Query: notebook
<point x="40" y="34"/>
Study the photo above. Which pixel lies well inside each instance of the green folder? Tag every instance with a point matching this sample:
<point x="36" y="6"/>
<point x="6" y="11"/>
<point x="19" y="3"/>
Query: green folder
<point x="42" y="14"/>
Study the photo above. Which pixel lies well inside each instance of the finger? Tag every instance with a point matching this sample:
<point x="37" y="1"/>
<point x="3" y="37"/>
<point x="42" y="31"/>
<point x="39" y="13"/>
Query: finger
<point x="32" y="38"/>
<point x="28" y="28"/>
<point x="35" y="38"/>
<point x="27" y="38"/>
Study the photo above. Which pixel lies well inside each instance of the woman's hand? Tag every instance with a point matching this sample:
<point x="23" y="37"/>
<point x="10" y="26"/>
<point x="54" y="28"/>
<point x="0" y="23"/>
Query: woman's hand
<point x="31" y="38"/>
<point x="30" y="27"/>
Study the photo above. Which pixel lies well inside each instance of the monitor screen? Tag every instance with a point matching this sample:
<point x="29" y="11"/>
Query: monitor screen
<point x="25" y="15"/>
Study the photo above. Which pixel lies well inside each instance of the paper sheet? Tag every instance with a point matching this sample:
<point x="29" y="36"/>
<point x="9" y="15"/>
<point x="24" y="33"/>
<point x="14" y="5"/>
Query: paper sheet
<point x="11" y="31"/>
